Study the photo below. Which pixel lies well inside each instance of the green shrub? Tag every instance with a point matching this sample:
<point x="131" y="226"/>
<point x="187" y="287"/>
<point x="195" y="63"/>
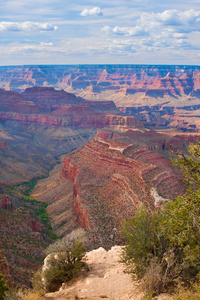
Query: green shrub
<point x="37" y="283"/>
<point x="3" y="287"/>
<point x="188" y="294"/>
<point x="63" y="262"/>
<point x="26" y="294"/>
<point x="163" y="247"/>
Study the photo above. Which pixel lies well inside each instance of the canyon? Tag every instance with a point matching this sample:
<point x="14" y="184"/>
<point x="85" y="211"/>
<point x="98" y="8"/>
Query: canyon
<point x="86" y="145"/>
<point x="36" y="129"/>
<point x="159" y="96"/>
<point x="103" y="182"/>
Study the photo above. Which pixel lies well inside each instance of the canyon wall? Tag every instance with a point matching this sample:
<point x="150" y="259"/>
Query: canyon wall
<point x="103" y="182"/>
<point x="159" y="96"/>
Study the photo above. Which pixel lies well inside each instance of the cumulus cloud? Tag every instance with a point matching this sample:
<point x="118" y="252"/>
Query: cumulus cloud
<point x="26" y="26"/>
<point x="95" y="11"/>
<point x="171" y="21"/>
<point x="178" y="21"/>
<point x="169" y="29"/>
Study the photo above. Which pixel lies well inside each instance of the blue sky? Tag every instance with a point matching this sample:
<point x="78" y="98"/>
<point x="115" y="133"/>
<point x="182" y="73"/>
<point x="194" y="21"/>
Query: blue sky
<point x="99" y="32"/>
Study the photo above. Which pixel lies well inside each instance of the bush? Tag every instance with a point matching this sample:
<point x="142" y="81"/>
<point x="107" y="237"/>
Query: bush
<point x="188" y="294"/>
<point x="64" y="261"/>
<point x="163" y="247"/>
<point x="137" y="251"/>
<point x="37" y="283"/>
<point x="3" y="287"/>
<point x="23" y="295"/>
<point x="12" y="294"/>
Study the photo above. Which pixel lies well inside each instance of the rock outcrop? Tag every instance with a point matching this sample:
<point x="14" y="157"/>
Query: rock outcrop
<point x="60" y="109"/>
<point x="164" y="96"/>
<point x="95" y="78"/>
<point x="5" y="203"/>
<point x="103" y="182"/>
<point x="32" y="138"/>
<point x="104" y="280"/>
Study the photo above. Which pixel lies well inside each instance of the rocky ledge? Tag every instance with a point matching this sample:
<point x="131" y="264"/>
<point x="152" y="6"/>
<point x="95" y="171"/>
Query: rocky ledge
<point x="104" y="280"/>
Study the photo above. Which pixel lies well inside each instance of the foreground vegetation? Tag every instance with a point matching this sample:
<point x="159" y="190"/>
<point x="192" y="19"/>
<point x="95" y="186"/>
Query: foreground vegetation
<point x="64" y="261"/>
<point x="163" y="247"/>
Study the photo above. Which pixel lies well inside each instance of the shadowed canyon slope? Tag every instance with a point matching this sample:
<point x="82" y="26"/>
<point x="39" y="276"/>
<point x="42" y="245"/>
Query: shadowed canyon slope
<point x="40" y="124"/>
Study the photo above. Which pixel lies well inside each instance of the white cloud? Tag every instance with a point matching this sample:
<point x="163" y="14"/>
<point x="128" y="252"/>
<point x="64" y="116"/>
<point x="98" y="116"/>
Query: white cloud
<point x="169" y="29"/>
<point x="95" y="11"/>
<point x="171" y="21"/>
<point x="26" y="26"/>
<point x="127" y="31"/>
<point x="177" y="21"/>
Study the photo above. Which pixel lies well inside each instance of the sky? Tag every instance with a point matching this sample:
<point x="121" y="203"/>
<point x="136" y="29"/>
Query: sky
<point x="99" y="32"/>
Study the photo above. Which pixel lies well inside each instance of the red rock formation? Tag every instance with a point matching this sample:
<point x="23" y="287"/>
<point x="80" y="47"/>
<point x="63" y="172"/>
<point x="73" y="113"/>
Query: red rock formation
<point x="80" y="118"/>
<point x="13" y="101"/>
<point x="35" y="226"/>
<point x="81" y="214"/>
<point x="48" y="98"/>
<point x="31" y="118"/>
<point x="105" y="183"/>
<point x="69" y="170"/>
<point x="95" y="79"/>
<point x="6" y="203"/>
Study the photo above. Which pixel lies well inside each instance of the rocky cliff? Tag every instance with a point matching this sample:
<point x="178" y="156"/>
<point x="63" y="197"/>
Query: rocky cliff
<point x="104" y="280"/>
<point x="161" y="96"/>
<point x="46" y="106"/>
<point x="104" y="181"/>
<point x="42" y="123"/>
<point x="162" y="79"/>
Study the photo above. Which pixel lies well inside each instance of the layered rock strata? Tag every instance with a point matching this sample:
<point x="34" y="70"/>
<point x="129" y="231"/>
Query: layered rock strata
<point x="104" y="182"/>
<point x="162" y="96"/>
